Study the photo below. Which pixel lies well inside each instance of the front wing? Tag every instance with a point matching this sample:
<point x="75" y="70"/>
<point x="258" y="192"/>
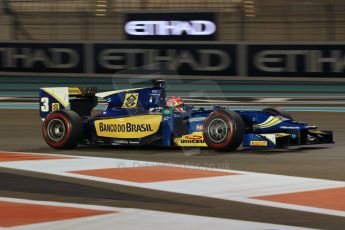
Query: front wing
<point x="278" y="140"/>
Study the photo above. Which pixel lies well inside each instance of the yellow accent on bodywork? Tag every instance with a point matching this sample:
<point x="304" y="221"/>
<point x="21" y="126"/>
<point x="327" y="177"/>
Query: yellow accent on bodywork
<point x="272" y="137"/>
<point x="258" y="143"/>
<point x="55" y="106"/>
<point x="131" y="100"/>
<point x="271" y="121"/>
<point x="128" y="127"/>
<point x="282" y="135"/>
<point x="51" y="92"/>
<point x="109" y="93"/>
<point x="317" y="131"/>
<point x="74" y="91"/>
<point x="196" y="139"/>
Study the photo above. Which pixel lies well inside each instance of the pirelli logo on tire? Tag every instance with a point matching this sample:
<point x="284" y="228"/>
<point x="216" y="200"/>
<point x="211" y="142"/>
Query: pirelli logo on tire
<point x="131" y="100"/>
<point x="128" y="127"/>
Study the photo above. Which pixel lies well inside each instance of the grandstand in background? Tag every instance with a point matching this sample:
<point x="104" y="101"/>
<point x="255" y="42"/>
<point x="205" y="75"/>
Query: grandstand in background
<point x="280" y="20"/>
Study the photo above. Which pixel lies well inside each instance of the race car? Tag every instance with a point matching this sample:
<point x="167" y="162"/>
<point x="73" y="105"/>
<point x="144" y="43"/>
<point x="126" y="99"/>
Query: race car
<point x="145" y="116"/>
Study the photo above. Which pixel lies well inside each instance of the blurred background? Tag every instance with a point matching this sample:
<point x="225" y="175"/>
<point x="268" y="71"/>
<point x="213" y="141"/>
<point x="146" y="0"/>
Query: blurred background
<point x="244" y="20"/>
<point x="249" y="48"/>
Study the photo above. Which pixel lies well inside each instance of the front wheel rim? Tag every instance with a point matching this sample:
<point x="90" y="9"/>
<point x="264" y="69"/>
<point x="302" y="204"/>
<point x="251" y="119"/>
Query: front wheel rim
<point x="218" y="130"/>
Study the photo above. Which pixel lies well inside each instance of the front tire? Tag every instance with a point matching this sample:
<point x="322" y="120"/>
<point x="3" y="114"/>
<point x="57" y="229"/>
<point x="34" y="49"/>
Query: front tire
<point x="62" y="129"/>
<point x="224" y="130"/>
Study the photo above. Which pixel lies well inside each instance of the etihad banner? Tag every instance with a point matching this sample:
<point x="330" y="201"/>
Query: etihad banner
<point x="300" y="60"/>
<point x="42" y="57"/>
<point x="183" y="59"/>
<point x="208" y="59"/>
<point x="171" y="26"/>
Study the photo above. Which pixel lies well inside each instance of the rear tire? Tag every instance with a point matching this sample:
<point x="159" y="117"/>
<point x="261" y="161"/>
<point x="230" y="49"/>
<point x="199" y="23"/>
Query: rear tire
<point x="62" y="129"/>
<point x="278" y="112"/>
<point x="224" y="130"/>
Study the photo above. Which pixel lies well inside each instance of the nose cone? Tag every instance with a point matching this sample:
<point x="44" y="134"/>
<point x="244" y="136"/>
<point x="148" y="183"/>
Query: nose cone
<point x="294" y="125"/>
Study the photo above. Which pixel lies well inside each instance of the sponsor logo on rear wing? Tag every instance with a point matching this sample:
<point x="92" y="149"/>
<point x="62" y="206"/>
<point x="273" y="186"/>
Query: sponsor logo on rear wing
<point x="58" y="98"/>
<point x="82" y="91"/>
<point x="52" y="99"/>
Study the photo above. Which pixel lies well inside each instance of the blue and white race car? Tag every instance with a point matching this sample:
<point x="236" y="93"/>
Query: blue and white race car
<point x="144" y="116"/>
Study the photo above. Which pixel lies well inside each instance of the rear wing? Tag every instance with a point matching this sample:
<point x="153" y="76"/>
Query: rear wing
<point x="80" y="99"/>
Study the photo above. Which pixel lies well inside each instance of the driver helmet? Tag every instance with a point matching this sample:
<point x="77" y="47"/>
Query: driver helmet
<point x="176" y="103"/>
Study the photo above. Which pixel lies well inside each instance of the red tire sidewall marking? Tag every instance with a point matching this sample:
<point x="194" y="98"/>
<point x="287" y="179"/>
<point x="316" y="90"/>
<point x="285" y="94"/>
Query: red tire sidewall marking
<point x="67" y="124"/>
<point x="230" y="135"/>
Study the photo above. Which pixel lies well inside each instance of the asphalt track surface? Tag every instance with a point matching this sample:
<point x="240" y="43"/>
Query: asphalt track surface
<point x="20" y="132"/>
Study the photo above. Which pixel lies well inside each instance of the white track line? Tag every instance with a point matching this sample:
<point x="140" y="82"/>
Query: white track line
<point x="132" y="219"/>
<point x="234" y="187"/>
